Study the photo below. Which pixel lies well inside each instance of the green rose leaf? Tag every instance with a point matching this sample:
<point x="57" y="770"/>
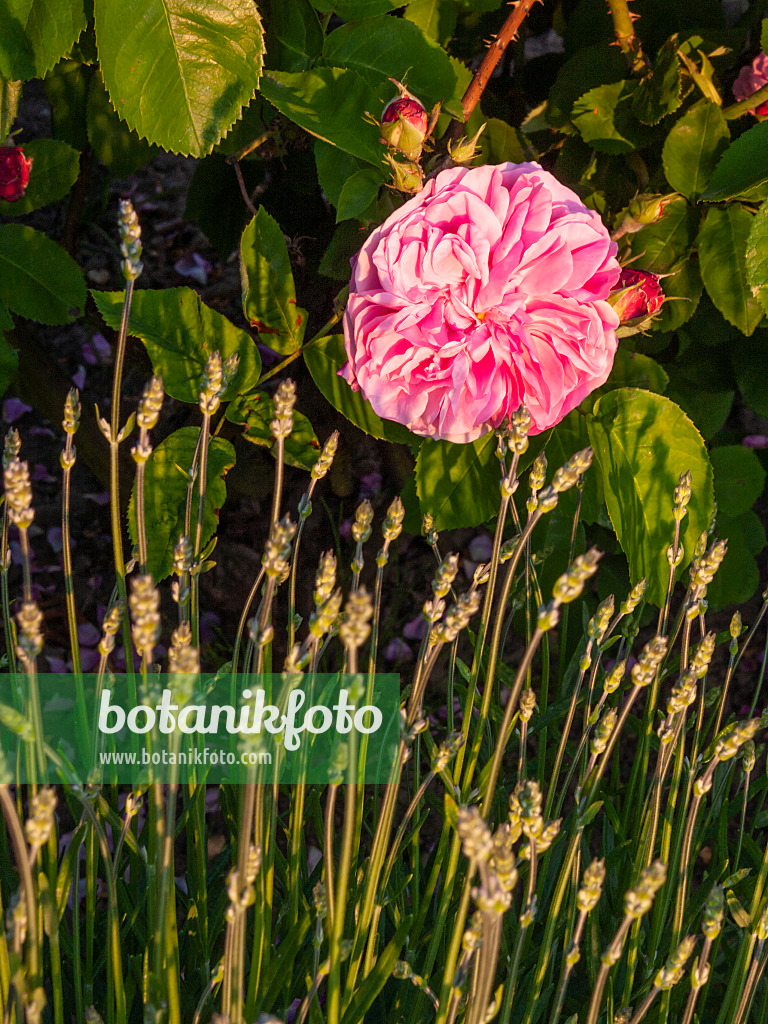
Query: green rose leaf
<point x="333" y="169"/>
<point x="9" y="364"/>
<point x="605" y="119"/>
<point x="700" y="380"/>
<point x="346" y="241"/>
<point x="742" y="166"/>
<point x="67" y="88"/>
<point x="180" y="333"/>
<point x="269" y="294"/>
<point x="256" y="411"/>
<point x="708" y="409"/>
<point x="633" y="370"/>
<point x="589" y="68"/>
<point x="331" y="104"/>
<point x="357" y="193"/>
<point x="55" y="167"/>
<point x="693" y="148"/>
<point x="114" y="143"/>
<point x="179" y="72"/>
<point x="757" y="257"/>
<point x="659" y="93"/>
<point x="324" y="358"/>
<point x="294" y="36"/>
<point x="436" y="18"/>
<point x="682" y="292"/>
<point x="38" y="279"/>
<point x="382" y="48"/>
<point x="663" y="244"/>
<point x="570" y="436"/>
<point x="6" y="320"/>
<point x="36" y="33"/>
<point x="738" y="577"/>
<point x="356" y="10"/>
<point x="749" y="362"/>
<point x="722" y="245"/>
<point x="500" y="142"/>
<point x="458" y="484"/>
<point x="739" y="478"/>
<point x="643" y="442"/>
<point x="165" y="495"/>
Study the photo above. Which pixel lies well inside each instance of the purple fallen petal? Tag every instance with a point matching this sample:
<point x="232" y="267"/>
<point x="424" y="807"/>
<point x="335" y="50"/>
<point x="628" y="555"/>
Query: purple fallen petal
<point x="268" y="355"/>
<point x="370" y="485"/>
<point x="209" y="624"/>
<point x="54" y="537"/>
<point x="41" y="432"/>
<point x="755" y="441"/>
<point x="40" y="474"/>
<point x="397" y="650"/>
<point x="78" y="379"/>
<point x="480" y="548"/>
<point x="14" y="409"/>
<point x="57" y="664"/>
<point x="101" y="347"/>
<point x="120" y="660"/>
<point x="89" y="659"/>
<point x="88" y="634"/>
<point x="193" y="266"/>
<point x="89" y="356"/>
<point x="416" y="628"/>
<point x="100" y="499"/>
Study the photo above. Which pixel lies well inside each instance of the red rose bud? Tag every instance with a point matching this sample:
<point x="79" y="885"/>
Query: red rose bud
<point x="14" y="173"/>
<point x="404" y="124"/>
<point x="638" y="296"/>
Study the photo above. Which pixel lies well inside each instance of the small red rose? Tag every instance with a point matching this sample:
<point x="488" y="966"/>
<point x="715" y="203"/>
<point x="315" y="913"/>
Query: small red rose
<point x="638" y="294"/>
<point x="14" y="173"/>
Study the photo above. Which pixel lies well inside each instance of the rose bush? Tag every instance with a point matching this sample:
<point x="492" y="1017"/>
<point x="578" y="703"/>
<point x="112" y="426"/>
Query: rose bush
<point x="484" y="292"/>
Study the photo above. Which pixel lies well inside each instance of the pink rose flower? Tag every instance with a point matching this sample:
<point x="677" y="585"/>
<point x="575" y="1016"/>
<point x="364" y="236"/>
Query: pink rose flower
<point x="751" y="78"/>
<point x="484" y="292"/>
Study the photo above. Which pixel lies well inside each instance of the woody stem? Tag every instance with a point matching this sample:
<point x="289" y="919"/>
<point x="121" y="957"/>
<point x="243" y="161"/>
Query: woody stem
<point x="624" y="31"/>
<point x="508" y="32"/>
